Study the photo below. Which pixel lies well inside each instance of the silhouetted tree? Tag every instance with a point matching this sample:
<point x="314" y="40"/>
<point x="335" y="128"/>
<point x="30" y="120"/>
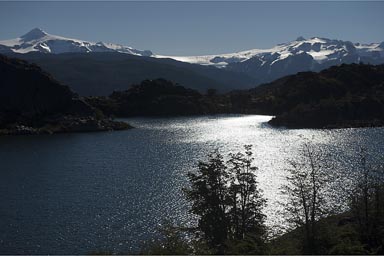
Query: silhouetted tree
<point x="367" y="201"/>
<point x="307" y="194"/>
<point x="247" y="202"/>
<point x="229" y="204"/>
<point x="208" y="195"/>
<point x="171" y="241"/>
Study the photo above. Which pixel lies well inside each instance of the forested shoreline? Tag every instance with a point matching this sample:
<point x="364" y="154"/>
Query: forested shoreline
<point x="339" y="97"/>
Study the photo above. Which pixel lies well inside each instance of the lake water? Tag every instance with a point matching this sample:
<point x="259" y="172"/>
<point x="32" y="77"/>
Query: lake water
<point x="109" y="191"/>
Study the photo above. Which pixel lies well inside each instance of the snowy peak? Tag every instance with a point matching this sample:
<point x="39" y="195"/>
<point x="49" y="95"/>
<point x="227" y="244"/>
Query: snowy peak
<point x="313" y="54"/>
<point x="300" y="38"/>
<point x="37" y="40"/>
<point x="305" y="54"/>
<point x="318" y="49"/>
<point x="34" y="34"/>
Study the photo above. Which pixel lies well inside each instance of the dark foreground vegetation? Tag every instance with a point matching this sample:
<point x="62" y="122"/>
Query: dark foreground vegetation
<point x="324" y="213"/>
<point x="344" y="96"/>
<point x="32" y="102"/>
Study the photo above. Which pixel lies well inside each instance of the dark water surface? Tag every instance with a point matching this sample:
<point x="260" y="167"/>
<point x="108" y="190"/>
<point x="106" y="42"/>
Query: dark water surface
<point x="109" y="191"/>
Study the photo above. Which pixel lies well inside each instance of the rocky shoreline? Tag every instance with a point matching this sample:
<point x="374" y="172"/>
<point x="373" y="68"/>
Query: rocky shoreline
<point x="33" y="102"/>
<point x="345" y="124"/>
<point x="66" y="124"/>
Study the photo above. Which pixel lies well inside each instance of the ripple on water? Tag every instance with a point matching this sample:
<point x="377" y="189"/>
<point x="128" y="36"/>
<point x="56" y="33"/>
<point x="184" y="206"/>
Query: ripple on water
<point x="79" y="193"/>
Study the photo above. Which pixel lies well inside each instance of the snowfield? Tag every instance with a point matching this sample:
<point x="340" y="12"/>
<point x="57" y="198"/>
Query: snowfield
<point x="320" y="49"/>
<point x="38" y="40"/>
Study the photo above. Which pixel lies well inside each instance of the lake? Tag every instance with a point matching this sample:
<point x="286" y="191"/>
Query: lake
<point x="109" y="191"/>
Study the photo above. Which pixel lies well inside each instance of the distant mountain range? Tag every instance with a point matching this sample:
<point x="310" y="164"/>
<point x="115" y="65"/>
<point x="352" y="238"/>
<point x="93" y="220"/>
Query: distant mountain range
<point x="106" y="67"/>
<point x="320" y="50"/>
<point x="38" y="40"/>
<point x="314" y="54"/>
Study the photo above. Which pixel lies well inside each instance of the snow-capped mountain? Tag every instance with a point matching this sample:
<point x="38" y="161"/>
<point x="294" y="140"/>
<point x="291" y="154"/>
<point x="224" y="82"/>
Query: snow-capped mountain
<point x="38" y="40"/>
<point x="261" y="65"/>
<point x="313" y="54"/>
<point x="319" y="49"/>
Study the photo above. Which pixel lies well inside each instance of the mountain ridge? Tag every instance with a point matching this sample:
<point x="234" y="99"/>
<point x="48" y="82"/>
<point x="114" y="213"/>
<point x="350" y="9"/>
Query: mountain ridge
<point x="317" y="47"/>
<point x="314" y="45"/>
<point x="101" y="73"/>
<point x="314" y="54"/>
<point x="224" y="72"/>
<point x="37" y="40"/>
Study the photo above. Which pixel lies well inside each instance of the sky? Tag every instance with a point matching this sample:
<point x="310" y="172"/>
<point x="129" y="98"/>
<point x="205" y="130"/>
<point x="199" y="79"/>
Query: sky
<point x="196" y="28"/>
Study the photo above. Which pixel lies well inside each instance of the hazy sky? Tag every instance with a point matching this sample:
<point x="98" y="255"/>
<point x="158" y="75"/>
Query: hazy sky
<point x="194" y="28"/>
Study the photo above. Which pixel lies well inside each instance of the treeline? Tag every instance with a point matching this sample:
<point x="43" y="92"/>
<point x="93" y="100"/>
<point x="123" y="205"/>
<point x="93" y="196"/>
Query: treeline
<point x="160" y="97"/>
<point x="341" y="96"/>
<point x="326" y="210"/>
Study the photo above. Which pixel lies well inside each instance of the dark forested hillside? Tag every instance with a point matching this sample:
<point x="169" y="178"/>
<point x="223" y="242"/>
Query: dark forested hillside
<point x="30" y="99"/>
<point x="341" y="96"/>
<point x="160" y="97"/>
<point x="97" y="74"/>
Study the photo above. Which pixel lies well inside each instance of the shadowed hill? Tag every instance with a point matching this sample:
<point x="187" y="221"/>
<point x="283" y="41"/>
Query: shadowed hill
<point x="97" y="74"/>
<point x="341" y="96"/>
<point x="159" y="97"/>
<point x="32" y="98"/>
